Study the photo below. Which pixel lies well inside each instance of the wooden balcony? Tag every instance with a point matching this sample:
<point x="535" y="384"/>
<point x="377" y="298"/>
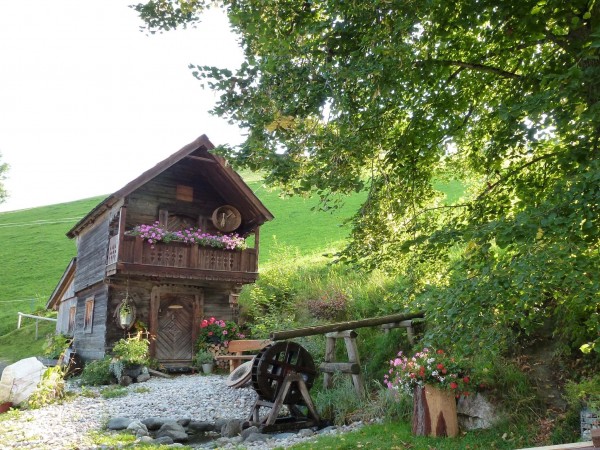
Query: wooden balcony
<point x="179" y="260"/>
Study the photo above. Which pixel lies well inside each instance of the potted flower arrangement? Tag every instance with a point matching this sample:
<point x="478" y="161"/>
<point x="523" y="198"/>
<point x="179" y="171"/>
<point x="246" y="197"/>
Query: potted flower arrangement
<point x="205" y="360"/>
<point x="156" y="233"/>
<point x="132" y="355"/>
<point x="435" y="380"/>
<point x="214" y="336"/>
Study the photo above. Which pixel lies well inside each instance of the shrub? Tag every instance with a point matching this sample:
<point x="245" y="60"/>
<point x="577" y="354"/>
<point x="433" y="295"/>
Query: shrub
<point x="133" y="350"/>
<point x="330" y="306"/>
<point x="56" y="344"/>
<point x="50" y="389"/>
<point x="97" y="373"/>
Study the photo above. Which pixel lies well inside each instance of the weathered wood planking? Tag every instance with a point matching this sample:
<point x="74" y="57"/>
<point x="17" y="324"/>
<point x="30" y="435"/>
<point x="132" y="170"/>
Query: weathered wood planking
<point x="91" y="255"/>
<point x="89" y="344"/>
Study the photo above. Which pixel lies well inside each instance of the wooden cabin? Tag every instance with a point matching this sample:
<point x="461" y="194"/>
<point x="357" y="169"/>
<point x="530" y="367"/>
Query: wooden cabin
<point x="119" y="281"/>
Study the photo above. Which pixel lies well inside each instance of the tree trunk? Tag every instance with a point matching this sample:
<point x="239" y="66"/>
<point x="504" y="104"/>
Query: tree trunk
<point x="434" y="412"/>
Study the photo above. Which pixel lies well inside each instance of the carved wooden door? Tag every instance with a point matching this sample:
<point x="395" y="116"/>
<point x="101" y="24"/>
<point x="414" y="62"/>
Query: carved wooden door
<point x="174" y="341"/>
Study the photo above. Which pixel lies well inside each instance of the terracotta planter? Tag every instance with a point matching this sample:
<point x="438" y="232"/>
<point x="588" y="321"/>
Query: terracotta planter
<point x="5" y="407"/>
<point x="434" y="412"/>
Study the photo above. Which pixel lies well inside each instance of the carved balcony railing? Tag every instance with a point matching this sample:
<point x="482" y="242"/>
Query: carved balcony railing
<point x="179" y="259"/>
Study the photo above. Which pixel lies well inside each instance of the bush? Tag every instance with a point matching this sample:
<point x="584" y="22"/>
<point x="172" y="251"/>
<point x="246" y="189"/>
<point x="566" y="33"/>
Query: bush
<point x="50" y="389"/>
<point x="96" y="373"/>
<point x="55" y="345"/>
<point x="133" y="350"/>
<point x="330" y="306"/>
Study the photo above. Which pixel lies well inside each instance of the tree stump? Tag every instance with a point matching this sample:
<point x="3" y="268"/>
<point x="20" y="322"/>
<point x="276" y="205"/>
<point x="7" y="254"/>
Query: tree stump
<point x="434" y="412"/>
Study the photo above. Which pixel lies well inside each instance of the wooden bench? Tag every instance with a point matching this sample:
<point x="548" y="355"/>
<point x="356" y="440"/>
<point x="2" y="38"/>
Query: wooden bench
<point x="237" y="348"/>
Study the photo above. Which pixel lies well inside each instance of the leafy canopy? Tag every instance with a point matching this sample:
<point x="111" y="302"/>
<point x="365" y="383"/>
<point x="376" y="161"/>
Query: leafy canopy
<point x="388" y="96"/>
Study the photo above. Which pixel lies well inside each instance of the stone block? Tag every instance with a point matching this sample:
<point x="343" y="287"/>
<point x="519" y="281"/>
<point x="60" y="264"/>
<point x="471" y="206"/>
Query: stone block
<point x="19" y="380"/>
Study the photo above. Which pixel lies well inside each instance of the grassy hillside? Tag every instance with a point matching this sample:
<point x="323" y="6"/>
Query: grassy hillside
<point x="35" y="250"/>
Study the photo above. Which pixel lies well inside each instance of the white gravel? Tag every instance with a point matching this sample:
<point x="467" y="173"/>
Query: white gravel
<point x="69" y="425"/>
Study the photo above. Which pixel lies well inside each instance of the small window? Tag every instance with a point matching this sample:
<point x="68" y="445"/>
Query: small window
<point x="89" y="315"/>
<point x="72" y="311"/>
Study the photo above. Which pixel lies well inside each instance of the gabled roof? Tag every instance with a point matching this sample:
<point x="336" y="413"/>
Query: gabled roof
<point x="63" y="285"/>
<point x="220" y="173"/>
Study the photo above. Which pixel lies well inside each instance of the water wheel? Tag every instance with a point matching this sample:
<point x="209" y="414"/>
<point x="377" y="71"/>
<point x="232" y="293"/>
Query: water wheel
<point x="274" y="362"/>
<point x="282" y="374"/>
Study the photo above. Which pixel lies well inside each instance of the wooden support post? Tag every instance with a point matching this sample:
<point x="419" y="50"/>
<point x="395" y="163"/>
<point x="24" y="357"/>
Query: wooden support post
<point x="352" y="367"/>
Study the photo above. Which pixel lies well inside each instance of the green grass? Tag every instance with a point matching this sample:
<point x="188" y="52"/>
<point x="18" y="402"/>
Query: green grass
<point x="34" y="255"/>
<point x="20" y="343"/>
<point x="397" y="436"/>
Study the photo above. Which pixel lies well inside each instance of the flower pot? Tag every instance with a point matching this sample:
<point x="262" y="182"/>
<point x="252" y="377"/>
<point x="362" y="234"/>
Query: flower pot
<point x="133" y="371"/>
<point x="207" y="368"/>
<point x="5" y="407"/>
<point x="434" y="412"/>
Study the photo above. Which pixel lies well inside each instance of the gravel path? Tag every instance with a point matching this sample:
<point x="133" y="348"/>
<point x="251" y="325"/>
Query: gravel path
<point x="69" y="425"/>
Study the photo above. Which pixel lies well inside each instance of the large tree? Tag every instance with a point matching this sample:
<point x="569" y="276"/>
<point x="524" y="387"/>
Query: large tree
<point x="389" y="96"/>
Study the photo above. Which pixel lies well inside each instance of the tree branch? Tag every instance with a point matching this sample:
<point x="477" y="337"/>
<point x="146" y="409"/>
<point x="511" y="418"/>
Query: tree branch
<point x="474" y="66"/>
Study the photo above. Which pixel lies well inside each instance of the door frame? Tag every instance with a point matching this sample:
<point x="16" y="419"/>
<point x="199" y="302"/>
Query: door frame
<point x="173" y="289"/>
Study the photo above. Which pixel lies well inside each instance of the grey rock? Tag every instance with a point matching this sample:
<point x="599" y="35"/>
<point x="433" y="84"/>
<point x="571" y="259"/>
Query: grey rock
<point x="125" y="380"/>
<point x="476" y="412"/>
<point x="164" y="440"/>
<point x="257" y="437"/>
<point x="280" y="436"/>
<point x="173" y="430"/>
<point x="200" y="427"/>
<point x="137" y="426"/>
<point x="142" y="377"/>
<point x="141" y="433"/>
<point x="248" y="431"/>
<point x="118" y="423"/>
<point x="327" y="430"/>
<point x="231" y="428"/>
<point x="145" y="440"/>
<point x="219" y="423"/>
<point x="184" y="422"/>
<point x="154" y="423"/>
<point x="306" y="432"/>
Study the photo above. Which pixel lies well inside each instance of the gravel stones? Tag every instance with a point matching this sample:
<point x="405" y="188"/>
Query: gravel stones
<point x="199" y="405"/>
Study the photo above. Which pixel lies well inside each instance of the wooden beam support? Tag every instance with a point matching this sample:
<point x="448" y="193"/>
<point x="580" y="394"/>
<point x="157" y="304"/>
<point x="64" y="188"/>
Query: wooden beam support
<point x="342" y="326"/>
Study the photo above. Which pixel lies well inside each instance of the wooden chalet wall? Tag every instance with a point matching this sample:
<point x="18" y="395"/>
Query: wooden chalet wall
<point x="62" y="323"/>
<point x="139" y="292"/>
<point x="91" y="255"/>
<point x="216" y="304"/>
<point x="90" y="341"/>
<point x="160" y="193"/>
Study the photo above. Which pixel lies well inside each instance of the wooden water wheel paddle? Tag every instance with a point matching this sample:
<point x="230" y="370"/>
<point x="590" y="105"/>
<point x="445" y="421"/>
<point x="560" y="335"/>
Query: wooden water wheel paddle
<point x="274" y="362"/>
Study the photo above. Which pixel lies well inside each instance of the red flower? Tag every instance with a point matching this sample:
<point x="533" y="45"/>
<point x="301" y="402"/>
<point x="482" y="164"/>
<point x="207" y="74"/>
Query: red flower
<point x="453" y="385"/>
<point x="466" y="379"/>
<point x="444" y="371"/>
<point x="204" y="323"/>
<point x="440" y="366"/>
<point x="440" y="352"/>
<point x="210" y="333"/>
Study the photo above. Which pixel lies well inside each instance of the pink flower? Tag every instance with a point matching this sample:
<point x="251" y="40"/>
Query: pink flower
<point x="224" y="332"/>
